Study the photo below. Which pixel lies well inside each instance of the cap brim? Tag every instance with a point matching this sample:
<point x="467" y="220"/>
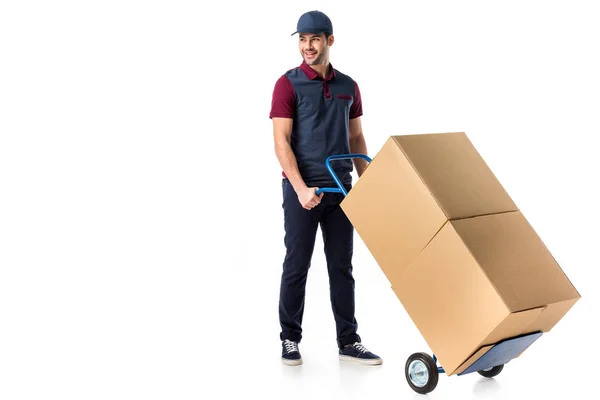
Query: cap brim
<point x="313" y="32"/>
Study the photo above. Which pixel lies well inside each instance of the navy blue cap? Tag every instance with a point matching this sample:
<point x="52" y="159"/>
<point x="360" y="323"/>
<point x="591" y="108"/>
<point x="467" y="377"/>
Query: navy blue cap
<point x="314" y="22"/>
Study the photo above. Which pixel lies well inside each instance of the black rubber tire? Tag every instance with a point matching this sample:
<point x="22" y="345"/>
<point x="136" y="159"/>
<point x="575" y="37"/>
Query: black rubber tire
<point x="432" y="369"/>
<point x="492" y="372"/>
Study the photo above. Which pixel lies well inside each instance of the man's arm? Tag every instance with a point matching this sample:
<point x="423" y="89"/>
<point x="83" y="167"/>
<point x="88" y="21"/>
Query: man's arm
<point x="282" y="113"/>
<point x="358" y="144"/>
<point x="357" y="139"/>
<point x="282" y="133"/>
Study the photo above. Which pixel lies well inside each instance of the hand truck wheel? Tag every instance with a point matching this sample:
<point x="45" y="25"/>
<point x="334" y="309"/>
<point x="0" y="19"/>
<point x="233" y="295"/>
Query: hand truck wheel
<point x="421" y="373"/>
<point x="491" y="372"/>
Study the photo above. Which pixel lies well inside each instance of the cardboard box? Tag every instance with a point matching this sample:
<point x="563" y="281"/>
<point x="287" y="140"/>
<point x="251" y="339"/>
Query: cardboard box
<point x="460" y="256"/>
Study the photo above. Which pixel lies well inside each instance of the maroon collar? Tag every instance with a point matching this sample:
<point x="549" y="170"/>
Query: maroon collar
<point x="312" y="74"/>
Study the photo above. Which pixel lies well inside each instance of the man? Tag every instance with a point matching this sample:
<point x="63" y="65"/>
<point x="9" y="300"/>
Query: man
<point x="316" y="113"/>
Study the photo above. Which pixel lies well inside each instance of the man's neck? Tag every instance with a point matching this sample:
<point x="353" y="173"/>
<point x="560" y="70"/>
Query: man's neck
<point x="322" y="69"/>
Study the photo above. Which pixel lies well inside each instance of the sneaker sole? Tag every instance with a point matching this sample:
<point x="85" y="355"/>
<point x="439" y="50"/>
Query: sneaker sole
<point x="361" y="360"/>
<point x="291" y="362"/>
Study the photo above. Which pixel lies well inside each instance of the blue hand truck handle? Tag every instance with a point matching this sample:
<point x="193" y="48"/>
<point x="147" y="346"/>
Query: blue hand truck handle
<point x="340" y="188"/>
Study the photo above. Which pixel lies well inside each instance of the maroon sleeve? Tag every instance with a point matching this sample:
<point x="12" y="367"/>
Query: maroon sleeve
<point x="283" y="104"/>
<point x="356" y="108"/>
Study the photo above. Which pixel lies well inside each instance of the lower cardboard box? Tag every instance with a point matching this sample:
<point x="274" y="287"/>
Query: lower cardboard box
<point x="481" y="281"/>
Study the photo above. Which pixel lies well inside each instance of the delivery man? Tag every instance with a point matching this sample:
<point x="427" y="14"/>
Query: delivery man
<point x="316" y="113"/>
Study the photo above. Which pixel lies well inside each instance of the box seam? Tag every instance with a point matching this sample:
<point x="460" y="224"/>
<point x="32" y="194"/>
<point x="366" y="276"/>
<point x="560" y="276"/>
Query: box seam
<point x="491" y="283"/>
<point x="484" y="215"/>
<point x="399" y="146"/>
<point x="419" y="175"/>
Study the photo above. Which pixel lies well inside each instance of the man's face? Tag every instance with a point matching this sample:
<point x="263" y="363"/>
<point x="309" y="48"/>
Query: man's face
<point x="314" y="48"/>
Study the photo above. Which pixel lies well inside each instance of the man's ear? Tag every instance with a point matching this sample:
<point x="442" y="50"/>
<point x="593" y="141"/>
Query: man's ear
<point x="330" y="40"/>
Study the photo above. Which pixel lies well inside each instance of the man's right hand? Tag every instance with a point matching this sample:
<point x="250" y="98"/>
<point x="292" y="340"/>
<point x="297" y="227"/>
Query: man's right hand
<point x="309" y="198"/>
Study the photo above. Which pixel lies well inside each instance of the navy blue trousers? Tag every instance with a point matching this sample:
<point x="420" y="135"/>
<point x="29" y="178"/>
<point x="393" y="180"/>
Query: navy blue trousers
<point x="301" y="228"/>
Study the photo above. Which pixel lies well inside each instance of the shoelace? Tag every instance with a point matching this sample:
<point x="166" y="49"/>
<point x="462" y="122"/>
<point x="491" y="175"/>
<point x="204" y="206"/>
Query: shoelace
<point x="360" y="347"/>
<point x="290" y="346"/>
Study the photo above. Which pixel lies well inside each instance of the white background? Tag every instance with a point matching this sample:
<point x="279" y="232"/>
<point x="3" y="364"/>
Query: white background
<point x="141" y="230"/>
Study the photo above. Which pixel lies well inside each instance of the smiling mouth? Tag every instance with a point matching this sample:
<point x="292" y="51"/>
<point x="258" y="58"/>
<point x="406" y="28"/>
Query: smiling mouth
<point x="310" y="55"/>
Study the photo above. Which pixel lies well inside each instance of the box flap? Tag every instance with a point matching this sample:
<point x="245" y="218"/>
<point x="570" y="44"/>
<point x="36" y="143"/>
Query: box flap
<point x="456" y="174"/>
<point x="503" y="352"/>
<point x="517" y="323"/>
<point x="516" y="261"/>
<point x="551" y="314"/>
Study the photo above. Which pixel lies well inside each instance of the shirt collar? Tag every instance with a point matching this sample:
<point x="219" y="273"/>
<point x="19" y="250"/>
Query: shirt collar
<point x="311" y="73"/>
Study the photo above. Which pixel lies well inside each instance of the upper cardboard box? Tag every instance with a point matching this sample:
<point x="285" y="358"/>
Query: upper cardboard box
<point x="415" y="184"/>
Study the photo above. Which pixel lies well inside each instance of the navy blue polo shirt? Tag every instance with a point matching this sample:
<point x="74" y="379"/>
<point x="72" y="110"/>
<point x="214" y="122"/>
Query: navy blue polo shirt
<point x="321" y="110"/>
